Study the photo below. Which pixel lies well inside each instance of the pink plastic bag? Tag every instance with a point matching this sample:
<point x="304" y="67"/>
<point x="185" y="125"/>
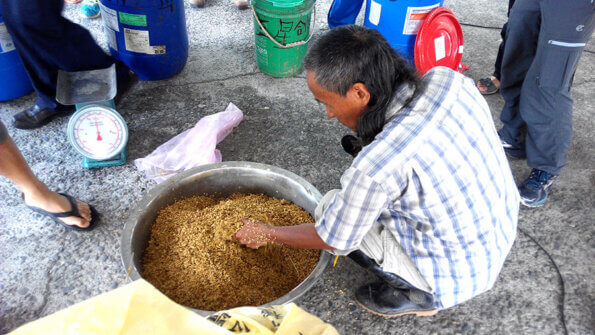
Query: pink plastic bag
<point x="193" y="147"/>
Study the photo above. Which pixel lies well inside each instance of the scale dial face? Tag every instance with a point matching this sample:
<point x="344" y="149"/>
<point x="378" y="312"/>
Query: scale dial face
<point x="97" y="132"/>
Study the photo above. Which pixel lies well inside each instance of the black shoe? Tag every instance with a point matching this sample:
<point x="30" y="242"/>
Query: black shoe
<point x="384" y="300"/>
<point x="369" y="264"/>
<point x="35" y="117"/>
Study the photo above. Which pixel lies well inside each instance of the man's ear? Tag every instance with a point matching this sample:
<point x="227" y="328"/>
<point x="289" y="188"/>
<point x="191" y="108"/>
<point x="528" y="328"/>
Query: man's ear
<point x="360" y="93"/>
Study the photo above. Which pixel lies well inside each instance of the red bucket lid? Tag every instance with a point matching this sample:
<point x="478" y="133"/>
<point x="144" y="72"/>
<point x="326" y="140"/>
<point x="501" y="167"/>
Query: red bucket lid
<point x="439" y="41"/>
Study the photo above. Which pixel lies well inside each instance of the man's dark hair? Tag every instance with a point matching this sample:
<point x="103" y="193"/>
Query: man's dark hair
<point x="350" y="54"/>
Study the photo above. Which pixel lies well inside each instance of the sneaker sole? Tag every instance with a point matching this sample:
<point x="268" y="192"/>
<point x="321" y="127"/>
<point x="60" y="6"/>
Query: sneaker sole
<point x="417" y="313"/>
<point x="534" y="204"/>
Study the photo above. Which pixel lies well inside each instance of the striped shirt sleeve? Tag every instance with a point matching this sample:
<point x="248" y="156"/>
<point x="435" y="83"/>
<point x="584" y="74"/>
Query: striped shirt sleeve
<point x="353" y="210"/>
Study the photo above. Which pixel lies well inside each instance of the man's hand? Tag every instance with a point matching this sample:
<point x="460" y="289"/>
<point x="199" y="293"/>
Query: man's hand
<point x="254" y="234"/>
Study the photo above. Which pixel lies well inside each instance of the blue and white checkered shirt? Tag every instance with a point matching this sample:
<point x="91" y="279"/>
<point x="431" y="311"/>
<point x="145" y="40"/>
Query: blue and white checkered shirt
<point x="438" y="179"/>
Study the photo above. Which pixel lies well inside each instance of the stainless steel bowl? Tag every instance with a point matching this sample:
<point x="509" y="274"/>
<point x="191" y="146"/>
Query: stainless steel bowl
<point x="221" y="179"/>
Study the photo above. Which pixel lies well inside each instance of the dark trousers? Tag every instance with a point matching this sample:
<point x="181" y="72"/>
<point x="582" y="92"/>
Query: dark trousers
<point x="544" y="42"/>
<point x="498" y="63"/>
<point x="46" y="42"/>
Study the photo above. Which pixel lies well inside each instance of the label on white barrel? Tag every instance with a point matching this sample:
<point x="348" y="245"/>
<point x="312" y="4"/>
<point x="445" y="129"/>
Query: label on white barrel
<point x="6" y="43"/>
<point x="415" y="17"/>
<point x="138" y="41"/>
<point x="110" y="17"/>
<point x="375" y="9"/>
<point x="111" y="38"/>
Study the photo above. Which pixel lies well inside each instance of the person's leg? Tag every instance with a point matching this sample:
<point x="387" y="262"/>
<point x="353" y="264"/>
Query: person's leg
<point x="490" y="85"/>
<point x="546" y="103"/>
<point x="47" y="42"/>
<point x="197" y="3"/>
<point x="498" y="63"/>
<point x="380" y="253"/>
<point x="366" y="262"/>
<point x="241" y="4"/>
<point x="343" y="12"/>
<point x="35" y="193"/>
<point x="519" y="50"/>
<point x="392" y="295"/>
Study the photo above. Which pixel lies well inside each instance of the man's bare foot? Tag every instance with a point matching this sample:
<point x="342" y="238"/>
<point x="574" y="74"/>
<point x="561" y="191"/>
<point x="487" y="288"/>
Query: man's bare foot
<point x="56" y="203"/>
<point x="489" y="85"/>
<point x="241" y="4"/>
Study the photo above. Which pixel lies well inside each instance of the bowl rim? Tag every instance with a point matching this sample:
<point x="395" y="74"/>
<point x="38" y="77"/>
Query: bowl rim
<point x="152" y="195"/>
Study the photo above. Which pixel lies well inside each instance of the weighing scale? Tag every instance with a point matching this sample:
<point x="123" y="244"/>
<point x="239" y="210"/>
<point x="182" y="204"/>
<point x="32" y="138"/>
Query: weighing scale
<point x="96" y="130"/>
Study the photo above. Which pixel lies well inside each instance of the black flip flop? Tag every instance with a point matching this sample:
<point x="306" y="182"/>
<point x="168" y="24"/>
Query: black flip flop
<point x="491" y="88"/>
<point x="73" y="212"/>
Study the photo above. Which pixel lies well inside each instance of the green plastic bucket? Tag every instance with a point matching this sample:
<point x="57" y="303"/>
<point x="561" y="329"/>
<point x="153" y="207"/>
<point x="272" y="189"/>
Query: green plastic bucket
<point x="281" y="35"/>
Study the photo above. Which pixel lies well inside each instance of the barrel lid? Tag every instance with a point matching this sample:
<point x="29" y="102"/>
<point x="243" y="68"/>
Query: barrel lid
<point x="439" y="41"/>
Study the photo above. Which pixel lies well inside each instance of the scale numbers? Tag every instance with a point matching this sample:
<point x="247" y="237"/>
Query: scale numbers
<point x="97" y="132"/>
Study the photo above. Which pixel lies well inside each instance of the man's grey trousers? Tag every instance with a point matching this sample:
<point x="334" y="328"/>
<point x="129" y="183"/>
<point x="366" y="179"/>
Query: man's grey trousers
<point x="544" y="42"/>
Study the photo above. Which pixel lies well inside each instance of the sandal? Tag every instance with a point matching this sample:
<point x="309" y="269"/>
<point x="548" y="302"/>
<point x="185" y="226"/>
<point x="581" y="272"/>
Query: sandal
<point x="488" y="82"/>
<point x="73" y="212"/>
<point x="241" y="4"/>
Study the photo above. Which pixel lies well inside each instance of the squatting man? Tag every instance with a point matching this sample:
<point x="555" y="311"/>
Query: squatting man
<point x="429" y="203"/>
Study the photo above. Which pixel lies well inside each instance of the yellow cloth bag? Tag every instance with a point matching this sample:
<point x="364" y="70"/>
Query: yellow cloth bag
<point x="139" y="308"/>
<point x="277" y="320"/>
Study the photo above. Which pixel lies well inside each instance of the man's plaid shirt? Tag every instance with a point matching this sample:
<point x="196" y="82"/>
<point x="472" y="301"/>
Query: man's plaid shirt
<point x="438" y="179"/>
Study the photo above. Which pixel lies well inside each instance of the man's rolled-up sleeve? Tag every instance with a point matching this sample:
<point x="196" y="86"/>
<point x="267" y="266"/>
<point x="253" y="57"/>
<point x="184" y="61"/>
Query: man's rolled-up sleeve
<point x="352" y="211"/>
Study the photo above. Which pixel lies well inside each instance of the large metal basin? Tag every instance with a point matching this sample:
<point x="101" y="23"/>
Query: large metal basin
<point x="220" y="179"/>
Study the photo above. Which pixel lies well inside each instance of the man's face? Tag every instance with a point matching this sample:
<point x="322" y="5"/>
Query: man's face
<point x="346" y="109"/>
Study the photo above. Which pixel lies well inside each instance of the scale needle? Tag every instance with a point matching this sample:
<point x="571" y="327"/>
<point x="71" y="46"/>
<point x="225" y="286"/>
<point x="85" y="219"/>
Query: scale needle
<point x="97" y="127"/>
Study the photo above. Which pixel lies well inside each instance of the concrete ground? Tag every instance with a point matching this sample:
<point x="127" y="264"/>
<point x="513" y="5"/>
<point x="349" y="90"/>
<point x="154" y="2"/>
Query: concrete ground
<point x="45" y="268"/>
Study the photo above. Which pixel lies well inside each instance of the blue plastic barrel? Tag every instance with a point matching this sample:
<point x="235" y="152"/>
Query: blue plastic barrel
<point x="149" y="36"/>
<point x="399" y="21"/>
<point x="14" y="81"/>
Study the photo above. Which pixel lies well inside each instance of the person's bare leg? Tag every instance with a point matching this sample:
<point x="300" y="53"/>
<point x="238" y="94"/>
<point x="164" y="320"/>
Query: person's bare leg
<point x="35" y="193"/>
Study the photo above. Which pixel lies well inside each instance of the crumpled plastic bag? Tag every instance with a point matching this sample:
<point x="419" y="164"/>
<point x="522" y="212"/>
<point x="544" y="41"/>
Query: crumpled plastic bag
<point x="139" y="308"/>
<point x="193" y="147"/>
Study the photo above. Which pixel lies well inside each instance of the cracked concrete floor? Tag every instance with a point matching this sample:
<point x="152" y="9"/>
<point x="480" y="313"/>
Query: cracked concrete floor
<point x="45" y="268"/>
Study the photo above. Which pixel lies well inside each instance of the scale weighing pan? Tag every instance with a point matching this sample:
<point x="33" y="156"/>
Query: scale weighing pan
<point x="84" y="87"/>
<point x="96" y="130"/>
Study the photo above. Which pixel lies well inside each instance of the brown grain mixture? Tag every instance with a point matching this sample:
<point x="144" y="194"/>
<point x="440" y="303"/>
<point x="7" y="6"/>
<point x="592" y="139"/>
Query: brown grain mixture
<point x="192" y="258"/>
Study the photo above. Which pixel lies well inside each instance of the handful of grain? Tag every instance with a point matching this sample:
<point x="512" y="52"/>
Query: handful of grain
<point x="192" y="258"/>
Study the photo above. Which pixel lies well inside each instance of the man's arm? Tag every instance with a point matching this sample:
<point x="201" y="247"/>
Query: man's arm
<point x="255" y="234"/>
